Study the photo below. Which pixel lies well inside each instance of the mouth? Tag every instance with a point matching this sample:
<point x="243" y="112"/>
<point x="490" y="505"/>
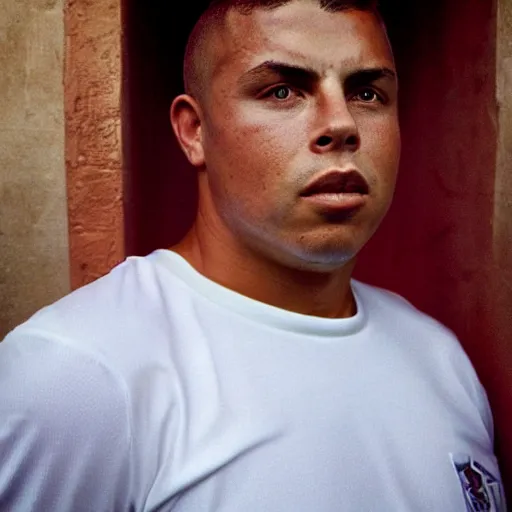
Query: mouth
<point x="337" y="190"/>
<point x="337" y="182"/>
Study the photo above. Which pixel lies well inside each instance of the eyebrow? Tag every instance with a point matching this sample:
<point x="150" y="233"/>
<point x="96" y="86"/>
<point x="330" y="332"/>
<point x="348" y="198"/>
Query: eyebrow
<point x="290" y="71"/>
<point x="370" y="75"/>
<point x="280" y="68"/>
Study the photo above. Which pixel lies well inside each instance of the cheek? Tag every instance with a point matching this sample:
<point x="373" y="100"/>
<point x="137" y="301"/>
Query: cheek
<point x="381" y="143"/>
<point x="248" y="152"/>
<point x="243" y="167"/>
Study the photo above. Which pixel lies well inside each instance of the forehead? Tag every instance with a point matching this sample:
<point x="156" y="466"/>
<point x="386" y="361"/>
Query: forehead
<point x="302" y="33"/>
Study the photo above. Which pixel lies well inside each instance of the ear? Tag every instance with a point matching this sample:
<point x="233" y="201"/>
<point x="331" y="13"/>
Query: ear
<point x="186" y="123"/>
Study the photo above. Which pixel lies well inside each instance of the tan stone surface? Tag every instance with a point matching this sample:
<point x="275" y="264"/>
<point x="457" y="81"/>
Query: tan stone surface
<point x="33" y="220"/>
<point x="93" y="137"/>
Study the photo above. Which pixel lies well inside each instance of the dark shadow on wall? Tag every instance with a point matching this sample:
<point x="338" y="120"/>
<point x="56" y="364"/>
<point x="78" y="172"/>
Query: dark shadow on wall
<point x="160" y="185"/>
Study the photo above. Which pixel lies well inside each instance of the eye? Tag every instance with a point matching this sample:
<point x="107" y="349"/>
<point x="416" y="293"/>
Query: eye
<point x="282" y="96"/>
<point x="368" y="96"/>
<point x="281" y="93"/>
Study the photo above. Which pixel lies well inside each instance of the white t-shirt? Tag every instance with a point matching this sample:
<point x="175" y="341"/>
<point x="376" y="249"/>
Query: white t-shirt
<point x="156" y="389"/>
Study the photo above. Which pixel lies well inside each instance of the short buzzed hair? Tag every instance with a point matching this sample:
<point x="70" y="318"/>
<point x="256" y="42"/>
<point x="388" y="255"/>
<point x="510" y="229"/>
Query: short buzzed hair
<point x="246" y="6"/>
<point x="216" y="12"/>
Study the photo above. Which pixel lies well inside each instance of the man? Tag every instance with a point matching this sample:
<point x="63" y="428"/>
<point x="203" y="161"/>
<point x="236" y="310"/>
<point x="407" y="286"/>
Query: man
<point x="243" y="369"/>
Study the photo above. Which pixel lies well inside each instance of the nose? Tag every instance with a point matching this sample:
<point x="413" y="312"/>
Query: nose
<point x="335" y="127"/>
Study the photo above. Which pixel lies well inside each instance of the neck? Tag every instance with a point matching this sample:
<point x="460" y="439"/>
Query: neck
<point x="234" y="266"/>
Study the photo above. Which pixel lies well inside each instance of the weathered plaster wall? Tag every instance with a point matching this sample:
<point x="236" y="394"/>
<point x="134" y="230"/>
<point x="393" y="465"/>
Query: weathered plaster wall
<point x="33" y="225"/>
<point x="93" y="137"/>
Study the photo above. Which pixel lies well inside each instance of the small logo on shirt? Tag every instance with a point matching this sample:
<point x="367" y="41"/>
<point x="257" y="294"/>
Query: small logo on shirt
<point x="480" y="488"/>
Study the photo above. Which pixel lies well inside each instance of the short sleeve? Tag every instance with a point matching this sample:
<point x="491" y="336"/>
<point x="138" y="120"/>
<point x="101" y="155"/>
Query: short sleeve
<point x="64" y="429"/>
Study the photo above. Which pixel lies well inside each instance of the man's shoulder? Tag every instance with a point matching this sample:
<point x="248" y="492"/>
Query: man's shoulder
<point x="126" y="285"/>
<point x="58" y="402"/>
<point x="114" y="318"/>
<point x="420" y="334"/>
<point x="428" y="342"/>
<point x="89" y="362"/>
<point x="395" y="309"/>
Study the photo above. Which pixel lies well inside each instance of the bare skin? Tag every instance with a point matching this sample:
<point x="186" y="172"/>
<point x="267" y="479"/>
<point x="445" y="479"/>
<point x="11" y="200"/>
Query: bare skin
<point x="261" y="130"/>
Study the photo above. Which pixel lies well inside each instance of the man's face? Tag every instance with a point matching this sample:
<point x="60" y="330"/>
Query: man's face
<point x="296" y="92"/>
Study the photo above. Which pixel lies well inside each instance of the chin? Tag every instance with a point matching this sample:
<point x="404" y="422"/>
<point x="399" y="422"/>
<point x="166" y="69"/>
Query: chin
<point x="331" y="262"/>
<point x="320" y="259"/>
<point x="311" y="252"/>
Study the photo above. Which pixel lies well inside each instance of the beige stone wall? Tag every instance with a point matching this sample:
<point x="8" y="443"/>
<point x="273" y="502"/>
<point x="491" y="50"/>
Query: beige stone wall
<point x="34" y="268"/>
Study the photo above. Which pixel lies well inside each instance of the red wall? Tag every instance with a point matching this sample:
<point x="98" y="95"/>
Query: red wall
<point x="436" y="244"/>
